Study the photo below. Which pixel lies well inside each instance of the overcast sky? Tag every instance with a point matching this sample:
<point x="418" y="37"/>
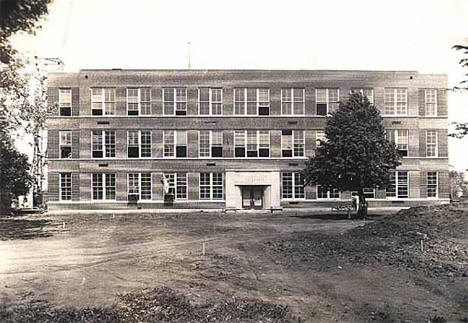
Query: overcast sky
<point x="359" y="34"/>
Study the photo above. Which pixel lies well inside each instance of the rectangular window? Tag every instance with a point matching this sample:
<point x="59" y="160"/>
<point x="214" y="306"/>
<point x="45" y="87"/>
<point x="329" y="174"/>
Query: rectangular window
<point x="211" y="143"/>
<point x="367" y="92"/>
<point x="432" y="184"/>
<point x="400" y="139"/>
<point x="292" y="101"/>
<point x="65" y="187"/>
<point x="430" y="101"/>
<point x="327" y="193"/>
<point x="251" y="101"/>
<point x="292" y="143"/>
<point x="139" y="144"/>
<point x="252" y="143"/>
<point x="211" y="186"/>
<point x="395" y="101"/>
<point x="139" y="186"/>
<point x="102" y="101"/>
<point x="177" y="185"/>
<point x="399" y="186"/>
<point x="210" y="101"/>
<point x="103" y="144"/>
<point x="216" y="143"/>
<point x="181" y="144"/>
<point x="320" y="137"/>
<point x="65" y="102"/>
<point x="292" y="185"/>
<point x="326" y="100"/>
<point x="103" y="187"/>
<point x="431" y="143"/>
<point x="65" y="143"/>
<point x="138" y="101"/>
<point x="175" y="101"/>
<point x="175" y="143"/>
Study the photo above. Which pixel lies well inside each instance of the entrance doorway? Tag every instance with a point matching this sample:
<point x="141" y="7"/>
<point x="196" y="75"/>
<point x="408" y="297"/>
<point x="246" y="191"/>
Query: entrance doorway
<point x="252" y="197"/>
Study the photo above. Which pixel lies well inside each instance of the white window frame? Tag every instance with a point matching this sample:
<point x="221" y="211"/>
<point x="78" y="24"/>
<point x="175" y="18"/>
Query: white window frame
<point x="363" y="90"/>
<point x="426" y="92"/>
<point x="211" y="186"/>
<point x="258" y="143"/>
<point x="103" y="102"/>
<point x="257" y="90"/>
<point x="140" y="186"/>
<point x="396" y="138"/>
<point x="210" y="142"/>
<point x="103" y="144"/>
<point x="140" y="144"/>
<point x="397" y="186"/>
<point x="65" y="104"/>
<point x="211" y="102"/>
<point x="62" y="144"/>
<point x="139" y="101"/>
<point x="395" y="102"/>
<point x="293" y="102"/>
<point x="61" y="188"/>
<point x="327" y="99"/>
<point x="321" y="137"/>
<point x="104" y="187"/>
<point x="328" y="195"/>
<point x="293" y="155"/>
<point x="174" y="89"/>
<point x="293" y="185"/>
<point x="174" y="144"/>
<point x="436" y="144"/>
<point x="175" y="183"/>
<point x="436" y="185"/>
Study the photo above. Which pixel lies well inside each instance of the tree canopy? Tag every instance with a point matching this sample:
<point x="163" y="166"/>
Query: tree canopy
<point x="461" y="129"/>
<point x="356" y="153"/>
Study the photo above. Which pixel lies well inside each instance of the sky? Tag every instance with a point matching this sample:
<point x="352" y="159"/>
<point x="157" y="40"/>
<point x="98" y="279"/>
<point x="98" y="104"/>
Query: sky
<point x="333" y="34"/>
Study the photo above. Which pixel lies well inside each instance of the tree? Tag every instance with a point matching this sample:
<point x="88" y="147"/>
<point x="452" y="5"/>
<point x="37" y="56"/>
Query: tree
<point x="458" y="185"/>
<point x="461" y="129"/>
<point x="356" y="154"/>
<point x="14" y="173"/>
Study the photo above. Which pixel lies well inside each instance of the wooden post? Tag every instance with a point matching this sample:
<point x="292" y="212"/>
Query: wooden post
<point x="203" y="249"/>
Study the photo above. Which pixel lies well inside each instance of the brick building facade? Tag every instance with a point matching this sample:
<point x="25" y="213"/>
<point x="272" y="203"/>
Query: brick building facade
<point x="229" y="139"/>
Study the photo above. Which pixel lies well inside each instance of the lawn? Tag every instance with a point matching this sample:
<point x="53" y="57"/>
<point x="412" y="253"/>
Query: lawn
<point x="256" y="267"/>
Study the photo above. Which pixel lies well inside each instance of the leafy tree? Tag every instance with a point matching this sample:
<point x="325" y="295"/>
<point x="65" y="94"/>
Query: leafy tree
<point x="15" y="179"/>
<point x="461" y="129"/>
<point x="356" y="154"/>
<point x="458" y="184"/>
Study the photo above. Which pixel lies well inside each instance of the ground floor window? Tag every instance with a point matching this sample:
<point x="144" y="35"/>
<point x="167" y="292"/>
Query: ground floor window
<point x="292" y="185"/>
<point x="369" y="193"/>
<point x="399" y="186"/>
<point x="177" y="185"/>
<point x="103" y="187"/>
<point x="65" y="187"/>
<point x="323" y="193"/>
<point x="432" y="184"/>
<point x="211" y="186"/>
<point x="139" y="186"/>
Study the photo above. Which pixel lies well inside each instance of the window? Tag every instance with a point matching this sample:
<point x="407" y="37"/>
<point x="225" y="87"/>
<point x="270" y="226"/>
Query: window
<point x="175" y="101"/>
<point x="175" y="143"/>
<point x="138" y="101"/>
<point x="252" y="101"/>
<point x="292" y="185"/>
<point x="395" y="102"/>
<point x="432" y="184"/>
<point x="139" y="144"/>
<point x="320" y="137"/>
<point x="292" y="101"/>
<point x="210" y="101"/>
<point x="65" y="143"/>
<point x="103" y="187"/>
<point x="369" y="193"/>
<point x="323" y="193"/>
<point x="252" y="143"/>
<point x="326" y="100"/>
<point x="102" y="101"/>
<point x="103" y="144"/>
<point x="177" y="185"/>
<point x="431" y="143"/>
<point x="211" y="186"/>
<point x="211" y="144"/>
<point x="139" y="186"/>
<point x="398" y="185"/>
<point x="292" y="143"/>
<point x="65" y="102"/>
<point x="65" y="187"/>
<point x="400" y="139"/>
<point x="430" y="100"/>
<point x="369" y="93"/>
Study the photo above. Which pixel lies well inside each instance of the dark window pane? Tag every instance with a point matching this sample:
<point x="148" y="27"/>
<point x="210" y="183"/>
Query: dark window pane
<point x="286" y="153"/>
<point x="403" y="153"/>
<point x="239" y="152"/>
<point x="133" y="152"/>
<point x="133" y="112"/>
<point x="216" y="151"/>
<point x="252" y="153"/>
<point x="181" y="151"/>
<point x="97" y="154"/>
<point x="65" y="152"/>
<point x="65" y="111"/>
<point x="97" y="112"/>
<point x="263" y="111"/>
<point x="180" y="112"/>
<point x="264" y="152"/>
<point x="132" y="198"/>
<point x="321" y="109"/>
<point x="286" y="132"/>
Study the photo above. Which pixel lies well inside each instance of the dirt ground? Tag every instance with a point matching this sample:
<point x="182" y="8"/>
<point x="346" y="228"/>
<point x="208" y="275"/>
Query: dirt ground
<point x="321" y="268"/>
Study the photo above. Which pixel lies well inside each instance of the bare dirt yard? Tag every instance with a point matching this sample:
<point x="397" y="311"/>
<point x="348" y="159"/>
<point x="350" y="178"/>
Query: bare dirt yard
<point x="256" y="267"/>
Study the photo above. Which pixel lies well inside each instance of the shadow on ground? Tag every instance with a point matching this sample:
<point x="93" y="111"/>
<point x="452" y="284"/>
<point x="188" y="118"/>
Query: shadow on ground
<point x="11" y="228"/>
